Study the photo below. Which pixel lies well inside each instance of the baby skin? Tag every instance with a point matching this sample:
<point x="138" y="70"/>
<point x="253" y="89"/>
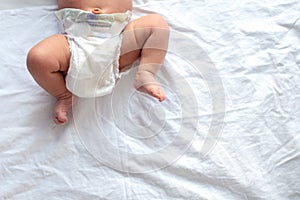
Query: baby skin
<point x="145" y="38"/>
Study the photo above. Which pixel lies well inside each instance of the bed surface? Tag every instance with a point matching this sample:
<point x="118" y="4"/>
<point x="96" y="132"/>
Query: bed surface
<point x="230" y="128"/>
<point x="15" y="4"/>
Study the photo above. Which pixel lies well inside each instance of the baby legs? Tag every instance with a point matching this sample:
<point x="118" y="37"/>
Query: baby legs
<point x="46" y="61"/>
<point x="147" y="38"/>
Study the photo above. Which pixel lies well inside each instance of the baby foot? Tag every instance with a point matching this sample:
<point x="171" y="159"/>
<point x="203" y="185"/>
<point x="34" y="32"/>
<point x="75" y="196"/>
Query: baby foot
<point x="61" y="109"/>
<point x="145" y="82"/>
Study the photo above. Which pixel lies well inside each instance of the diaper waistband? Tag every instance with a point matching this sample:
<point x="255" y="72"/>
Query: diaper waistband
<point x="78" y="15"/>
<point x="76" y="22"/>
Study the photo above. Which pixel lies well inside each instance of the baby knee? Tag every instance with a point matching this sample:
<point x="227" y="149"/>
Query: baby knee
<point x="35" y="59"/>
<point x="158" y="21"/>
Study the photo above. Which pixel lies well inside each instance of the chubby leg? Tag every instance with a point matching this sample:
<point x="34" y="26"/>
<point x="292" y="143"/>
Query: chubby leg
<point x="46" y="62"/>
<point x="147" y="38"/>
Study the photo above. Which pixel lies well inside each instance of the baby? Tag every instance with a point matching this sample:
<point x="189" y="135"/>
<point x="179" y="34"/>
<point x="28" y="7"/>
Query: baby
<point x="98" y="40"/>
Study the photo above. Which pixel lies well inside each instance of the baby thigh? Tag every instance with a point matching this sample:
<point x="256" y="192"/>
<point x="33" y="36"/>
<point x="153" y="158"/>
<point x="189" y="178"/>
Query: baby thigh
<point x="52" y="54"/>
<point x="148" y="32"/>
<point x="47" y="60"/>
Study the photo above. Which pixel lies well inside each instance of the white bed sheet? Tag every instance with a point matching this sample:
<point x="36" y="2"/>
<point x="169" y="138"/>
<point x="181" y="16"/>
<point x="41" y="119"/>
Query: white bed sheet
<point x="15" y="4"/>
<point x="248" y="51"/>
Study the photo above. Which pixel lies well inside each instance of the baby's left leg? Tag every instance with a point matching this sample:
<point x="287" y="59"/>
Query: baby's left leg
<point x="147" y="38"/>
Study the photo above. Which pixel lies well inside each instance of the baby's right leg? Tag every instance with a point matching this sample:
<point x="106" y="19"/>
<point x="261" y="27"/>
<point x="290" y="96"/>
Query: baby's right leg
<point x="46" y="61"/>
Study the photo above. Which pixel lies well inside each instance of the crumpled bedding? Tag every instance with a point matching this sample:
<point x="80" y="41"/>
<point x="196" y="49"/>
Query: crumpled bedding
<point x="229" y="128"/>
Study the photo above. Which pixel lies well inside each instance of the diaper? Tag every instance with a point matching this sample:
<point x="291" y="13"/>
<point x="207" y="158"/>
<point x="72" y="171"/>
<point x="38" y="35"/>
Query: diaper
<point x="95" y="43"/>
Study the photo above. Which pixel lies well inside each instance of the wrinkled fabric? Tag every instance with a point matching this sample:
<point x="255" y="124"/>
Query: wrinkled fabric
<point x="254" y="47"/>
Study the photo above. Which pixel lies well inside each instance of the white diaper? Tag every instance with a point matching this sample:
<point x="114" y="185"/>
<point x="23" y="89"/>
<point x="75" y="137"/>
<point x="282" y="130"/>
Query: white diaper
<point x="95" y="42"/>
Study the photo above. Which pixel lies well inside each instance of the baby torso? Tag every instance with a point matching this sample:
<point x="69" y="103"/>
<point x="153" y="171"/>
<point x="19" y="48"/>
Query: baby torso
<point x="97" y="6"/>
